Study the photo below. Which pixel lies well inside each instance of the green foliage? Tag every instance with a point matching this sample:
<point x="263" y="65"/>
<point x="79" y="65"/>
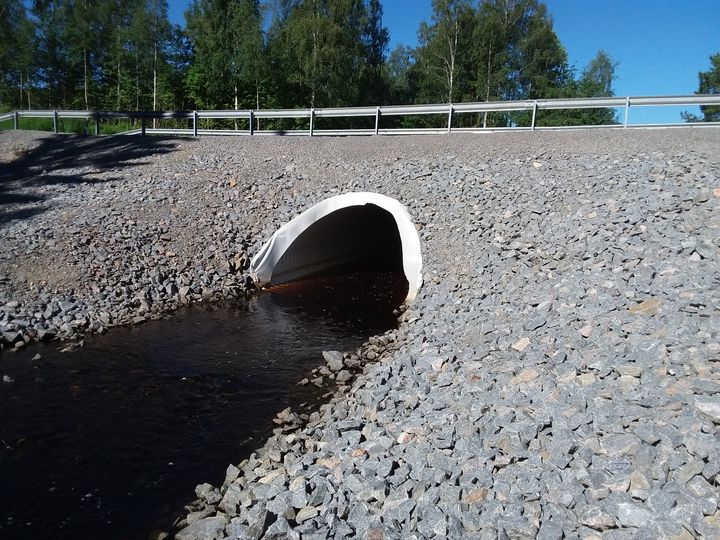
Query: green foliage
<point x="125" y="55"/>
<point x="442" y="44"/>
<point x="708" y="83"/>
<point x="90" y="54"/>
<point x="16" y="53"/>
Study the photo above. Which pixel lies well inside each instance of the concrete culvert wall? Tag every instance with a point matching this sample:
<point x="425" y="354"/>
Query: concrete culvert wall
<point x="354" y="232"/>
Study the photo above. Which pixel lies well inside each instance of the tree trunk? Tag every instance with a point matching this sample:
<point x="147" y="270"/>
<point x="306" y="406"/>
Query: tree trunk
<point x="236" y="105"/>
<point x="314" y="68"/>
<point x="137" y="82"/>
<point x="21" y="87"/>
<point x="118" y="83"/>
<point x="257" y="103"/>
<point x="85" y="75"/>
<point x="487" y="85"/>
<point x="450" y="62"/>
<point x="155" y="83"/>
<point x="27" y="79"/>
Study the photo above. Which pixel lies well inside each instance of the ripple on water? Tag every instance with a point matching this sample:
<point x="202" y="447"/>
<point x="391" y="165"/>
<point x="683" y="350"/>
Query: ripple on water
<point x="109" y="441"/>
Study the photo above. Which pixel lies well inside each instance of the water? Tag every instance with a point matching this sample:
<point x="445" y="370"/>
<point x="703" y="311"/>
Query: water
<point x="109" y="441"/>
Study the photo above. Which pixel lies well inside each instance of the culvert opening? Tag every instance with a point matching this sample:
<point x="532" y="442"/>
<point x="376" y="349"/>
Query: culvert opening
<point x="367" y="239"/>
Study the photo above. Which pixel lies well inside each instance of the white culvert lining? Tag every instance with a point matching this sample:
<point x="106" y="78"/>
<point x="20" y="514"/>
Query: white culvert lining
<point x="342" y="232"/>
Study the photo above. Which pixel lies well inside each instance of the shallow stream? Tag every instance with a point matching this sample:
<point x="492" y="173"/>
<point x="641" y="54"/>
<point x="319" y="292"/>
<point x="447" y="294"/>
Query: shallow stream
<point x="109" y="440"/>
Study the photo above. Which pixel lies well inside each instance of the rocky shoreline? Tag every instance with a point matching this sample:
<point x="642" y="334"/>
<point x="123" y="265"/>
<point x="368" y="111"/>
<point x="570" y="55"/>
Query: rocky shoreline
<point x="558" y="374"/>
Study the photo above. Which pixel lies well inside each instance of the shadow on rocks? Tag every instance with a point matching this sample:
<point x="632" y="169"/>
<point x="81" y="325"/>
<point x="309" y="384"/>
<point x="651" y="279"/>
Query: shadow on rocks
<point x="69" y="160"/>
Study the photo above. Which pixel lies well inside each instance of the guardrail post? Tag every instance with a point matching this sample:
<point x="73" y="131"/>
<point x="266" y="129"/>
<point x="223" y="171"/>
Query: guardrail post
<point x="195" y="123"/>
<point x="312" y="121"/>
<point x="532" y="124"/>
<point x="16" y="120"/>
<point x="97" y="123"/>
<point x="377" y="120"/>
<point x="142" y="123"/>
<point x="627" y="111"/>
<point x="450" y="112"/>
<point x="251" y="119"/>
<point x="55" y="121"/>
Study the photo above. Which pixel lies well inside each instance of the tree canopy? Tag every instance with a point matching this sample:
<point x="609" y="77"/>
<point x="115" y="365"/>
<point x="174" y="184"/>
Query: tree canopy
<point x="125" y="54"/>
<point x="708" y="83"/>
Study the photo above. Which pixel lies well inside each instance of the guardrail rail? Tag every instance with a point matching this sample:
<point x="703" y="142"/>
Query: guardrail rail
<point x="449" y="109"/>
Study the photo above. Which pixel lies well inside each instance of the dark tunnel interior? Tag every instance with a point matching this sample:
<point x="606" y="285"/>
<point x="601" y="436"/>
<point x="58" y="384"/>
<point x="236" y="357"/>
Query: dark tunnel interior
<point x="352" y="240"/>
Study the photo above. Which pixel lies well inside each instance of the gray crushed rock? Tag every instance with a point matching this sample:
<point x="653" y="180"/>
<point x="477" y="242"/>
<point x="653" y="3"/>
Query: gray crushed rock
<point x="557" y="375"/>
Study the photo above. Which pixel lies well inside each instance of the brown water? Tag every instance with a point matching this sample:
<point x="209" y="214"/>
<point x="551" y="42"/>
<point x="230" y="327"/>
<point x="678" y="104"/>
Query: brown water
<point x="109" y="441"/>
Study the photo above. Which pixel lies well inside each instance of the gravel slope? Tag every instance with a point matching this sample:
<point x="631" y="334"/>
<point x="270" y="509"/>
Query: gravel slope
<point x="558" y="374"/>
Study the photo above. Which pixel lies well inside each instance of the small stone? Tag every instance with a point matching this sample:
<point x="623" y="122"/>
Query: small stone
<point x="231" y="474"/>
<point x="7" y="379"/>
<point x="297" y="484"/>
<point x="709" y="406"/>
<point x="684" y="473"/>
<point x="701" y="197"/>
<point x="619" y="484"/>
<point x="231" y="500"/>
<point x="269" y="477"/>
<point x="330" y="463"/>
<point x="525" y="376"/>
<point x="284" y="416"/>
<point x="639" y="486"/>
<point x="598" y="493"/>
<point x="358" y="518"/>
<point x="632" y="515"/>
<point x="343" y="376"/>
<point x="586" y="331"/>
<point x="587" y="379"/>
<point x="438" y="364"/>
<point x="208" y="493"/>
<point x="185" y="290"/>
<point x="334" y="360"/>
<point x="628" y="383"/>
<point x="476" y="495"/>
<point x="622" y="444"/>
<point x="567" y="377"/>
<point x="647" y="307"/>
<point x="279" y="529"/>
<point x="305" y="513"/>
<point x="629" y="370"/>
<point x="522" y="344"/>
<point x="11" y="337"/>
<point x="209" y="528"/>
<point x="595" y="518"/>
<point x="405" y="437"/>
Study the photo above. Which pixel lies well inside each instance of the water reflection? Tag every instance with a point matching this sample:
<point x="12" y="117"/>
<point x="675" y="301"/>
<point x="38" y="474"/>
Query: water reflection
<point x="109" y="440"/>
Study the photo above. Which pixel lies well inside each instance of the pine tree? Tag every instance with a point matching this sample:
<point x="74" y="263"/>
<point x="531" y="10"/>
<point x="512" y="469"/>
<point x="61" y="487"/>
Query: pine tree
<point x="375" y="88"/>
<point x="596" y="80"/>
<point x="17" y="62"/>
<point x="708" y="83"/>
<point x="248" y="53"/>
<point x="442" y="44"/>
<point x="210" y="78"/>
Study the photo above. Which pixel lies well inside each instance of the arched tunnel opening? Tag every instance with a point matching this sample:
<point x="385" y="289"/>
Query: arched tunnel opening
<point x="367" y="239"/>
<point x="353" y="240"/>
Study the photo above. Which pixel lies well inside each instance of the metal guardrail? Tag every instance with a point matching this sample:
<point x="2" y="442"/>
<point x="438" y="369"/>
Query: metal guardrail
<point x="377" y="113"/>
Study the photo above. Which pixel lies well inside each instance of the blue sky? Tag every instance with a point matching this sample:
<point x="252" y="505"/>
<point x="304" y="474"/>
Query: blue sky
<point x="659" y="45"/>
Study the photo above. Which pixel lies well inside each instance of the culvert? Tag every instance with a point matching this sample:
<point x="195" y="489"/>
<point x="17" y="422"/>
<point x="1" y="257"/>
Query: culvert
<point x="354" y="232"/>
